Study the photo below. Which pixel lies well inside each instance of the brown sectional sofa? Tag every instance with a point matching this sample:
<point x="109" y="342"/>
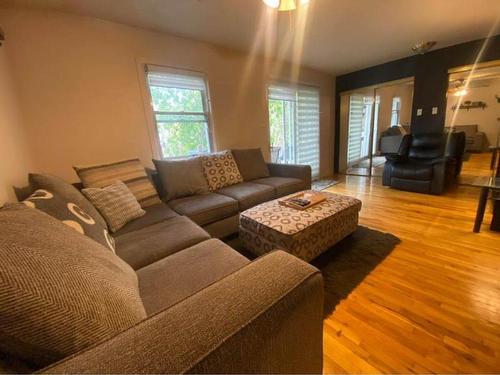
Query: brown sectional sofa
<point x="218" y="212"/>
<point x="209" y="309"/>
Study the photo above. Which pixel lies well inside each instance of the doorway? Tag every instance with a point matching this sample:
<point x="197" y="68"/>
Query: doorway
<point x="367" y="115"/>
<point x="294" y="113"/>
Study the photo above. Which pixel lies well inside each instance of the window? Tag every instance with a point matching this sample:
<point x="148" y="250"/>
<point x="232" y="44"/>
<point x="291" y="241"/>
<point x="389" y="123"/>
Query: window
<point x="396" y="108"/>
<point x="294" y="125"/>
<point x="181" y="111"/>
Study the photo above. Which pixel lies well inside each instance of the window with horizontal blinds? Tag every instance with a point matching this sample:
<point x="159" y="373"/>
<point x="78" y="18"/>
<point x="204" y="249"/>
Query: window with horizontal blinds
<point x="355" y="137"/>
<point x="294" y="125"/>
<point x="181" y="112"/>
<point x="395" y="110"/>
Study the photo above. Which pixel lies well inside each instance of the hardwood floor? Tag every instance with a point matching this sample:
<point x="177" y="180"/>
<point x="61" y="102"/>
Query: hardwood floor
<point x="433" y="305"/>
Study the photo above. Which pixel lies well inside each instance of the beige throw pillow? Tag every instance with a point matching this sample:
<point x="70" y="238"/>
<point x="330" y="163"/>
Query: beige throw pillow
<point x="116" y="203"/>
<point x="60" y="292"/>
<point x="220" y="170"/>
<point x="131" y="172"/>
<point x="181" y="177"/>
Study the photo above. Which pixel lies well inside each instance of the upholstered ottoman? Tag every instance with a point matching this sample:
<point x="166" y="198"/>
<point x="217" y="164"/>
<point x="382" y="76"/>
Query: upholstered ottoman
<point x="303" y="233"/>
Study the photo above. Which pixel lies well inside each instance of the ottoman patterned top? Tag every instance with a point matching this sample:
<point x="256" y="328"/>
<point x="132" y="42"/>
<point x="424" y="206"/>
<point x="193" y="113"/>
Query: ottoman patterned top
<point x="303" y="233"/>
<point x="290" y="221"/>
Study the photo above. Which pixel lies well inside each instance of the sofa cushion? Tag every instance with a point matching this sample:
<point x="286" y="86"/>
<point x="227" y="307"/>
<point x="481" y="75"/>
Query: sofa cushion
<point x="181" y="177"/>
<point x="116" y="203"/>
<point x="131" y="172"/>
<point x="283" y="185"/>
<point x="220" y="170"/>
<point x="154" y="214"/>
<point x="67" y="191"/>
<point x="60" y="291"/>
<point x="251" y="163"/>
<point x="172" y="279"/>
<point x="412" y="171"/>
<point x="205" y="208"/>
<point x="150" y="244"/>
<point x="248" y="194"/>
<point x="70" y="214"/>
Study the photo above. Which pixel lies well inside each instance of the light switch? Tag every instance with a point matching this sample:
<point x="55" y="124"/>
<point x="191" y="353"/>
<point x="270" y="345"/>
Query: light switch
<point x="434" y="110"/>
<point x="419" y="112"/>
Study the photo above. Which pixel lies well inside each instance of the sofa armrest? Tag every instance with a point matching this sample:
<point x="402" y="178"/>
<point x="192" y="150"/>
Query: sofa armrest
<point x="264" y="318"/>
<point x="302" y="172"/>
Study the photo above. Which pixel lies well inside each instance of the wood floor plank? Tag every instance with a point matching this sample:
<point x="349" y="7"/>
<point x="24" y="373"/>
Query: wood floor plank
<point x="433" y="304"/>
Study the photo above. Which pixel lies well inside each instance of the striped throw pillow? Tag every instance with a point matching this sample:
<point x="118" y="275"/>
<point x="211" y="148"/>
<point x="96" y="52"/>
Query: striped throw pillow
<point x="131" y="172"/>
<point x="116" y="203"/>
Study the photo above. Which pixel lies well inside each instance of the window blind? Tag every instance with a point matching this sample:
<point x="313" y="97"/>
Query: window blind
<point x="175" y="81"/>
<point x="308" y="128"/>
<point x="356" y="105"/>
<point x="305" y="122"/>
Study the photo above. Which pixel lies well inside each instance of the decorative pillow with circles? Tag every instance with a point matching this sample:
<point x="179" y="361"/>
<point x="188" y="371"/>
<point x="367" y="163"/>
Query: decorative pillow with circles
<point x="220" y="170"/>
<point x="70" y="214"/>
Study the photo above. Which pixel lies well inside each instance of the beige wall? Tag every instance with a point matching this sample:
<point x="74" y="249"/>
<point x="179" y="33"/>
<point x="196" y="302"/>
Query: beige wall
<point x="79" y="85"/>
<point x="486" y="119"/>
<point x="386" y="94"/>
<point x="15" y="157"/>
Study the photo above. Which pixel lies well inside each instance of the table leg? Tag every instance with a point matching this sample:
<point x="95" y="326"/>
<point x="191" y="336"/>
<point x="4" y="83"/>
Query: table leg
<point x="493" y="158"/>
<point x="483" y="199"/>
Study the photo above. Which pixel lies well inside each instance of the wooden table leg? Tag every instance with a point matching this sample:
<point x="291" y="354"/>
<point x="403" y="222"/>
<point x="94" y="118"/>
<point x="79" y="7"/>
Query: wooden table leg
<point x="483" y="199"/>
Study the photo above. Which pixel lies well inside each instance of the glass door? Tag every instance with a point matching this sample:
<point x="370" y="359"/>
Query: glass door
<point x="362" y="112"/>
<point x="372" y="122"/>
<point x="294" y="125"/>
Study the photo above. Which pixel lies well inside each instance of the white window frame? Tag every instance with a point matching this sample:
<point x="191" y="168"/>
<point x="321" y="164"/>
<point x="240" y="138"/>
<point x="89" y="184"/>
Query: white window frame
<point x="151" y="113"/>
<point x="396" y="112"/>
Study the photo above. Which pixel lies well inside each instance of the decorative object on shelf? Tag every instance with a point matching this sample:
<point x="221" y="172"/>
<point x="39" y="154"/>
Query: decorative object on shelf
<point x="2" y="36"/>
<point x="498" y="98"/>
<point x="470" y="105"/>
<point x="285" y="5"/>
<point x="423" y="47"/>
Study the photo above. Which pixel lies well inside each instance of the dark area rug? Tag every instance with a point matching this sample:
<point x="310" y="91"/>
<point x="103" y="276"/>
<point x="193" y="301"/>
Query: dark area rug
<point x="346" y="264"/>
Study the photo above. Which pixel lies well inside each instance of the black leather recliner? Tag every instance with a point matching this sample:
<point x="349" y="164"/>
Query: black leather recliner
<point x="425" y="163"/>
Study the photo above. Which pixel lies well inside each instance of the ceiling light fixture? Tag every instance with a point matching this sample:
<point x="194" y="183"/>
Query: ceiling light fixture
<point x="462" y="92"/>
<point x="423" y="47"/>
<point x="459" y="89"/>
<point x="285" y="5"/>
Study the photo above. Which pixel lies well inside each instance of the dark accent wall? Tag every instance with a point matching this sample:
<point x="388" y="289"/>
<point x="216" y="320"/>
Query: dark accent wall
<point x="431" y="81"/>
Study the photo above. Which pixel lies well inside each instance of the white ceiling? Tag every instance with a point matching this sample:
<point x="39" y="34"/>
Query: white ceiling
<point x="341" y="35"/>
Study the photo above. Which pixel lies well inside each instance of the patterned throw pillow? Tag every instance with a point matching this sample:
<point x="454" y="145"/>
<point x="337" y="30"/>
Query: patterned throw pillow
<point x="70" y="214"/>
<point x="220" y="170"/>
<point x="116" y="203"/>
<point x="66" y="191"/>
<point x="131" y="172"/>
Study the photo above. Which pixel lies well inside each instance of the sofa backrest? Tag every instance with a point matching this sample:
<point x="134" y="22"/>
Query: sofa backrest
<point x="469" y="130"/>
<point x="427" y="146"/>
